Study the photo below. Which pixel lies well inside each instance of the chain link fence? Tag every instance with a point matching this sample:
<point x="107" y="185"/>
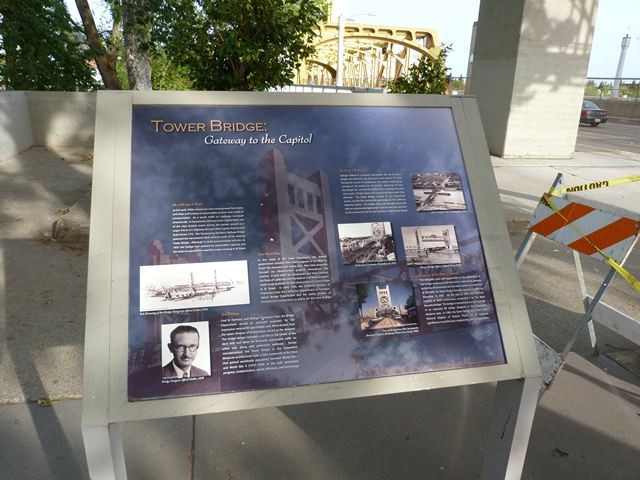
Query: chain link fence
<point x="619" y="96"/>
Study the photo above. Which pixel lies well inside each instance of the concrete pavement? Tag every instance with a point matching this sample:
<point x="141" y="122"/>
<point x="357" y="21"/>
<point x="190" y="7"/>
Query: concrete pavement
<point x="587" y="425"/>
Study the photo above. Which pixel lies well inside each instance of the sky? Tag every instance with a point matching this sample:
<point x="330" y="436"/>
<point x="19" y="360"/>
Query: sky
<point x="454" y="21"/>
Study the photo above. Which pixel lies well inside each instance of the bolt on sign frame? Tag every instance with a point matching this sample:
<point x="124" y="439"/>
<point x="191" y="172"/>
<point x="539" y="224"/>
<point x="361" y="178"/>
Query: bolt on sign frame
<point x="337" y="194"/>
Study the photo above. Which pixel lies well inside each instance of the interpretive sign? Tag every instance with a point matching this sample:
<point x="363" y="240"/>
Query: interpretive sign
<point x="301" y="245"/>
<point x="253" y="250"/>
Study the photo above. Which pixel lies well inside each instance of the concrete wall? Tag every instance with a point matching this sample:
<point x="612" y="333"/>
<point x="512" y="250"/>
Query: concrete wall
<point x="62" y="119"/>
<point x="530" y="65"/>
<point x="15" y="125"/>
<point x="50" y="119"/>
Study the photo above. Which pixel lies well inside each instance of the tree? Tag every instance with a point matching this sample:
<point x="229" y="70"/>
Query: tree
<point x="238" y="44"/>
<point x="411" y="302"/>
<point x="145" y="65"/>
<point x="105" y="58"/>
<point x="362" y="292"/>
<point x="41" y="48"/>
<point x="136" y="22"/>
<point x="604" y="89"/>
<point x="457" y="84"/>
<point x="427" y="76"/>
<point x="590" y="89"/>
<point x="166" y="75"/>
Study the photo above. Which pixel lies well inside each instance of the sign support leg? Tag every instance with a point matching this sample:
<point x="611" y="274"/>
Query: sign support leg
<point x="105" y="454"/>
<point x="511" y="420"/>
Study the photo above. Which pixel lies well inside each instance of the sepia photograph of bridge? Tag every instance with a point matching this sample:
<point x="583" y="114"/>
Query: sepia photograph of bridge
<point x="437" y="192"/>
<point x="193" y="285"/>
<point x="431" y="245"/>
<point x="362" y="243"/>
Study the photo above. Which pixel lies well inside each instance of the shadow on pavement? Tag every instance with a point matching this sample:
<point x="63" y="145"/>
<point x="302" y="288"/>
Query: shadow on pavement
<point x="42" y="442"/>
<point x="582" y="430"/>
<point x="42" y="313"/>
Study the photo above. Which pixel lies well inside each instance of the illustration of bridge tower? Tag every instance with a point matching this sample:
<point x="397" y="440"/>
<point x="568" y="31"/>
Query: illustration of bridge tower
<point x="296" y="212"/>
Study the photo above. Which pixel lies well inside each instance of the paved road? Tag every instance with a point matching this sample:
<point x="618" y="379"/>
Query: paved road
<point x="611" y="138"/>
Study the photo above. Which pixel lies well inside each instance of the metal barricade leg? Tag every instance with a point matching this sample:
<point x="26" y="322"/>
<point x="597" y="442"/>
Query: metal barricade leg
<point x="587" y="314"/>
<point x="531" y="236"/>
<point x="527" y="241"/>
<point x="585" y="301"/>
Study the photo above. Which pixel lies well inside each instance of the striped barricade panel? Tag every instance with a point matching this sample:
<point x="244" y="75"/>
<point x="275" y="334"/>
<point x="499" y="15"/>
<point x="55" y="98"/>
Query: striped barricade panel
<point x="585" y="229"/>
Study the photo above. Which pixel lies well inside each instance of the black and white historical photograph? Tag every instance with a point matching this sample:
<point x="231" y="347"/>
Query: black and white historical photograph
<point x="437" y="192"/>
<point x="193" y="285"/>
<point x="388" y="305"/>
<point x="431" y="245"/>
<point x="185" y="350"/>
<point x="370" y="242"/>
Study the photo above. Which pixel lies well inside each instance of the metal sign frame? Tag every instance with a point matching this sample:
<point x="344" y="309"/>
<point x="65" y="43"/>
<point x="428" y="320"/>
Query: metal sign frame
<point x="105" y="401"/>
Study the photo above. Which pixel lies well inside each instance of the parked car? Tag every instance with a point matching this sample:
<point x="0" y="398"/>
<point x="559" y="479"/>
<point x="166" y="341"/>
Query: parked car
<point x="592" y="115"/>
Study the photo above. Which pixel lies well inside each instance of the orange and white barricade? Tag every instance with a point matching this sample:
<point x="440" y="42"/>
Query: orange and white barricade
<point x="599" y="219"/>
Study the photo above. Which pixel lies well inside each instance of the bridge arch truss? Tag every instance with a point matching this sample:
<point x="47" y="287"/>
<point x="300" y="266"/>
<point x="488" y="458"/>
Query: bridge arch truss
<point x="373" y="54"/>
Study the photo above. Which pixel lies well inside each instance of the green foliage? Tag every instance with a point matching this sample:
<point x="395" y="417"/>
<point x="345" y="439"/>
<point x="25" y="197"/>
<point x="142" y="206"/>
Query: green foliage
<point x="590" y="89"/>
<point x="411" y="302"/>
<point x="631" y="90"/>
<point x="166" y="75"/>
<point x="426" y="76"/>
<point x="238" y="44"/>
<point x="604" y="89"/>
<point x="362" y="292"/>
<point x="200" y="44"/>
<point x="41" y="48"/>
<point x="458" y="84"/>
<point x="121" y="65"/>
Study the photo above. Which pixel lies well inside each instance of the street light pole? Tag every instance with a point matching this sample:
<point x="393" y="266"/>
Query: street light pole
<point x="626" y="40"/>
<point x="341" y="20"/>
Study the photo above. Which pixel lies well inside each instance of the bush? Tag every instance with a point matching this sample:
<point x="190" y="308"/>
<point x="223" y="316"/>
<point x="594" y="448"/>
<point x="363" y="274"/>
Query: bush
<point x="427" y="76"/>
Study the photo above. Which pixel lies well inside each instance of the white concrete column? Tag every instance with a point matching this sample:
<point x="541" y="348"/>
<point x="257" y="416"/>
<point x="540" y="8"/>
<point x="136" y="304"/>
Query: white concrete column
<point x="529" y="71"/>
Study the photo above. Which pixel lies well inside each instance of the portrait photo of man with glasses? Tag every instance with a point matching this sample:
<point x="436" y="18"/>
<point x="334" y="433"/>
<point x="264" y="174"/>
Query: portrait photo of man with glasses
<point x="184" y="345"/>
